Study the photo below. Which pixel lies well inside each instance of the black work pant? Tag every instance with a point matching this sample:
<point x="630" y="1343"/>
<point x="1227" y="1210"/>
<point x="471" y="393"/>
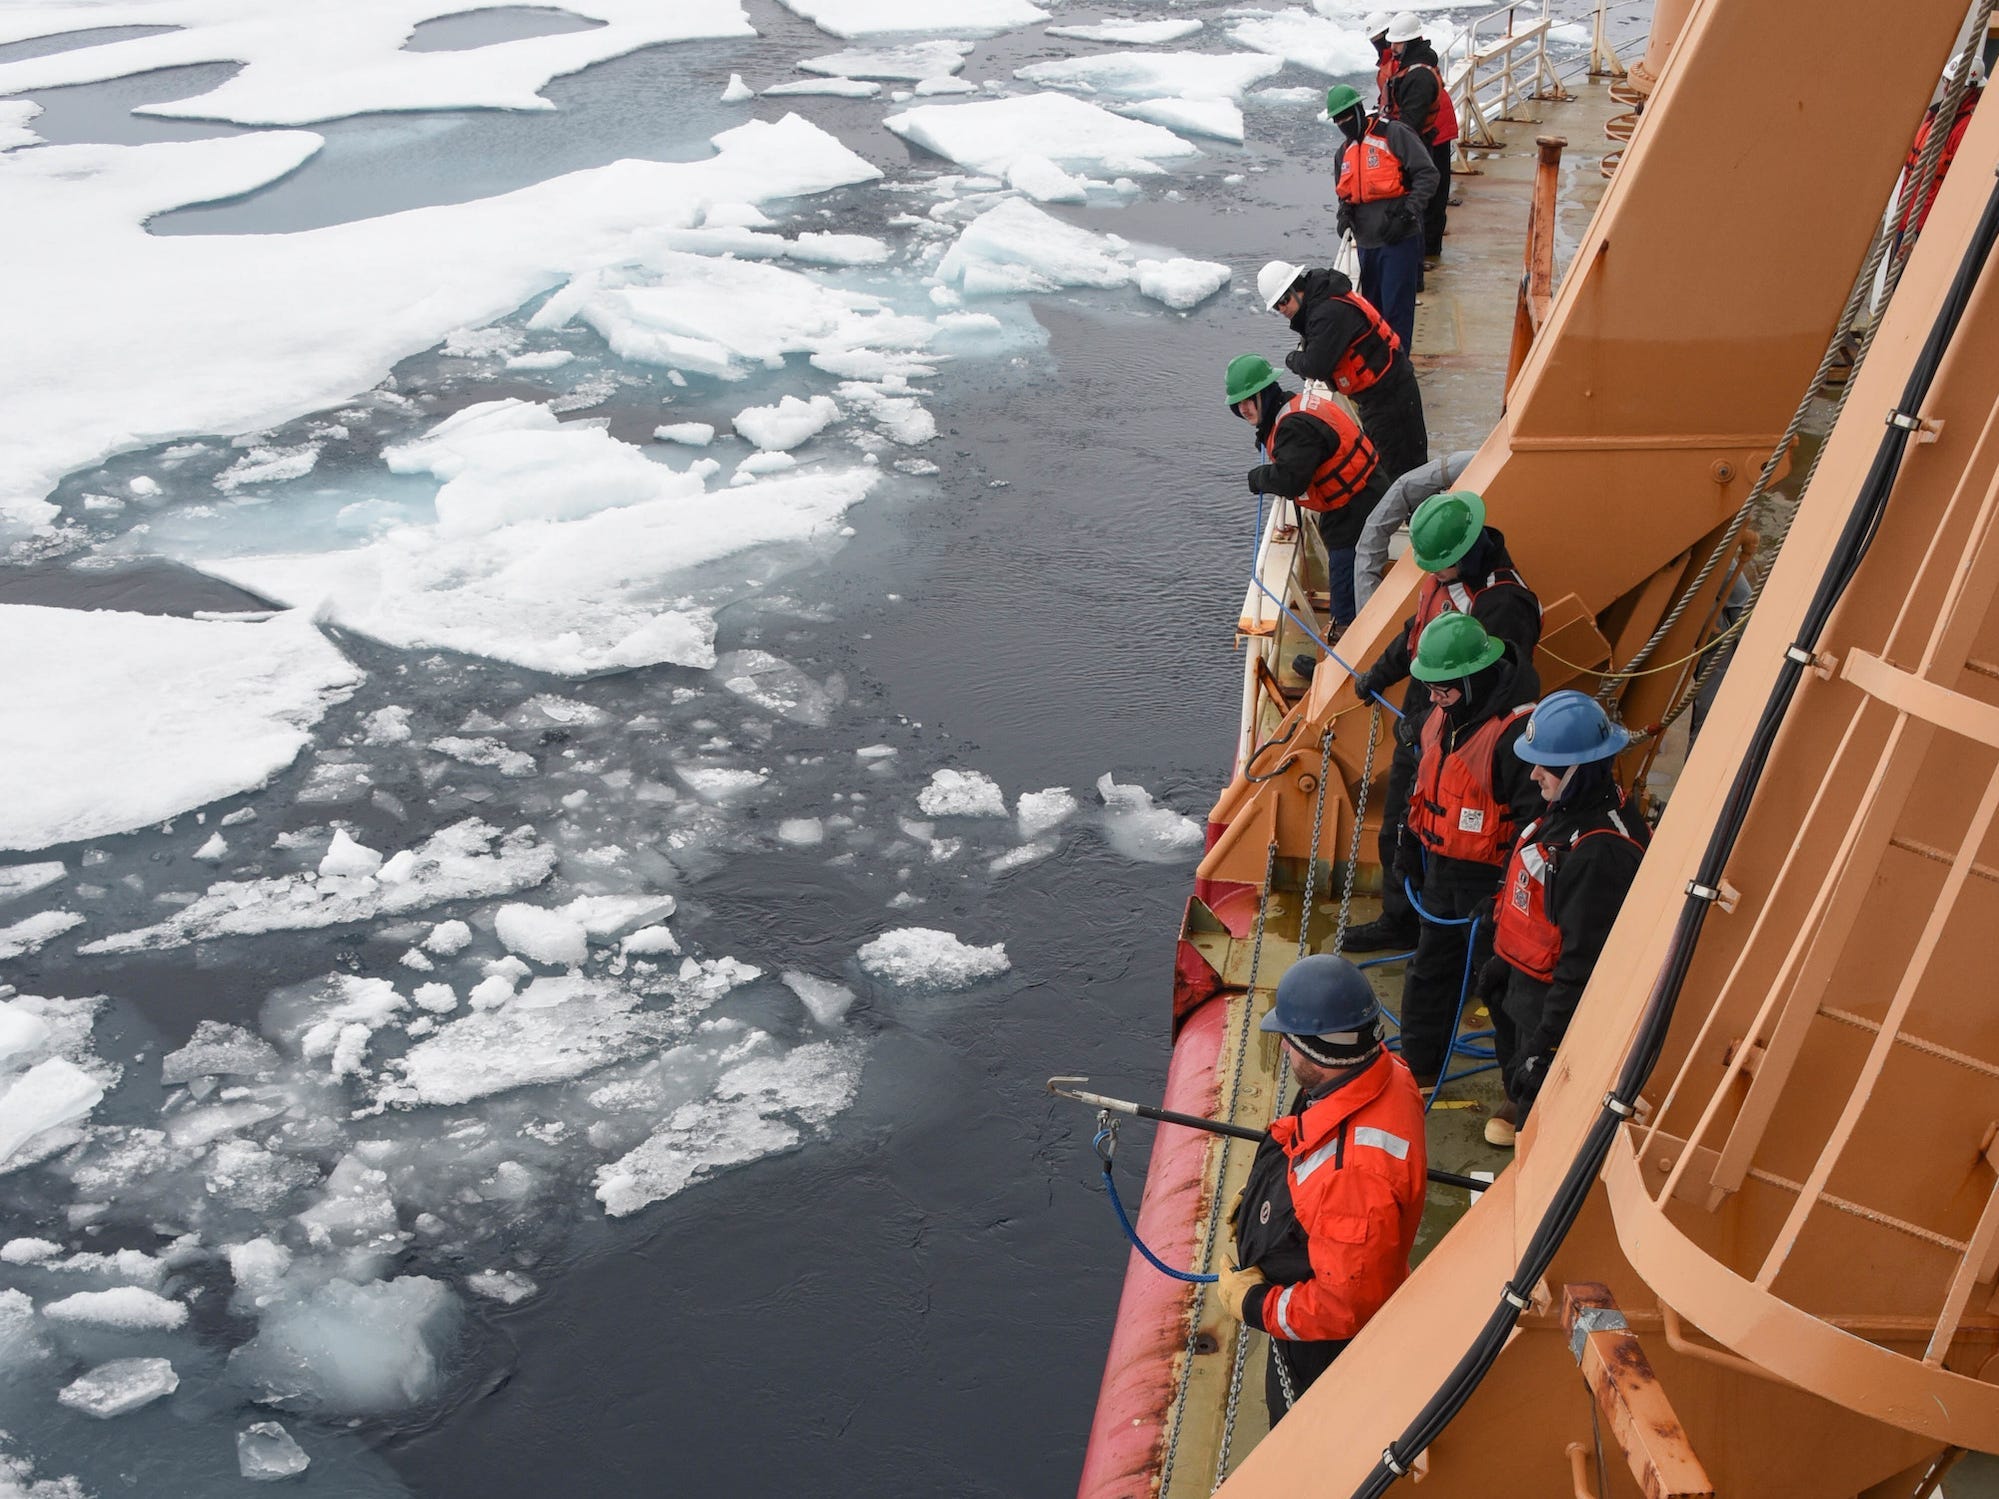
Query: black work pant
<point x="1395" y="905"/>
<point x="1440" y="201"/>
<point x="1391" y="414"/>
<point x="1305" y="1361"/>
<point x="1516" y="1015"/>
<point x="1435" y="977"/>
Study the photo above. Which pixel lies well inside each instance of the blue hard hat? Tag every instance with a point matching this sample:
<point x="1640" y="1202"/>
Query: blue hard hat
<point x="1570" y="728"/>
<point x="1324" y="995"/>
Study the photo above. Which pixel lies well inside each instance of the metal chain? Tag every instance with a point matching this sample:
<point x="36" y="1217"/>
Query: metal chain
<point x="1312" y="853"/>
<point x="1206" y="1261"/>
<point x="1359" y="819"/>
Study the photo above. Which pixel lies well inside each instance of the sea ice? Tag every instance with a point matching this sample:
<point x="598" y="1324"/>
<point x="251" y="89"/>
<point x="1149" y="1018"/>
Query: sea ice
<point x="124" y="1384"/>
<point x="1014" y="247"/>
<point x="220" y="707"/>
<point x="301" y="66"/>
<point x="990" y="135"/>
<point x="1310" y="41"/>
<point x="848" y="19"/>
<point x="918" y="60"/>
<point x="14" y="117"/>
<point x="1138" y="33"/>
<point x="1043" y="181"/>
<point x="29" y="1251"/>
<point x="131" y="1307"/>
<point x="52" y="1093"/>
<point x="266" y="1452"/>
<point x="801" y="832"/>
<point x="777" y="686"/>
<point x="826" y="1001"/>
<point x="692" y="434"/>
<point x="1220" y="119"/>
<point x="508" y="1287"/>
<point x="486" y="751"/>
<point x="961" y="793"/>
<point x="1140" y="830"/>
<point x="18" y="880"/>
<point x="1020" y="858"/>
<point x="737" y="91"/>
<point x="22" y="1033"/>
<point x="217" y="1049"/>
<point x="348" y="1350"/>
<point x="1181" y="283"/>
<point x="268" y="466"/>
<point x="448" y="938"/>
<point x="1039" y="812"/>
<point x="545" y="936"/>
<point x="922" y="957"/>
<point x="779" y="428"/>
<point x="840" y="88"/>
<point x="649" y="940"/>
<point x="460" y="862"/>
<point x="718" y="783"/>
<point x="1153" y="75"/>
<point x="214" y="849"/>
<point x="30" y="933"/>
<point x="346" y="857"/>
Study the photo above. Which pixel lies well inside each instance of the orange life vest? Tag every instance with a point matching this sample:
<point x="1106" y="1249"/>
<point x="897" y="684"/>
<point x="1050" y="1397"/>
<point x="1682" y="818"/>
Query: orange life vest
<point x="1346" y="472"/>
<point x="1369" y="170"/>
<point x="1385" y="68"/>
<point x="1368" y="357"/>
<point x="1523" y="933"/>
<point x="1434" y="597"/>
<point x="1443" y="124"/>
<point x="1454" y="809"/>
<point x="1914" y="214"/>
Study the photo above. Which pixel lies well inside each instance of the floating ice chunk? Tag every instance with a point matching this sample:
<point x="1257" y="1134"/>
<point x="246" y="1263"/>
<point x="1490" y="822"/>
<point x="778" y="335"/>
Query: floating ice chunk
<point x="29" y="1251"/>
<point x="1310" y="41"/>
<point x="483" y="751"/>
<point x="779" y="428"/>
<point x="224" y="706"/>
<point x="761" y="463"/>
<point x="1140" y="830"/>
<point x="690" y="434"/>
<point x="25" y="879"/>
<point x="737" y="91"/>
<point x="214" y="850"/>
<point x="801" y="832"/>
<point x="826" y="1001"/>
<point x="929" y="86"/>
<point x="22" y="1033"/>
<point x="541" y="359"/>
<point x="922" y="957"/>
<point x="52" y="1093"/>
<point x="217" y="1049"/>
<point x="990" y="135"/>
<point x="30" y="933"/>
<point x="354" y="1211"/>
<point x="509" y="1287"/>
<point x="779" y="687"/>
<point x="875" y="753"/>
<point x="1151" y="75"/>
<point x="345" y="857"/>
<point x="1014" y="247"/>
<point x="268" y="466"/>
<point x="258" y="1268"/>
<point x="1181" y="283"/>
<point x="1043" y="181"/>
<point x="1220" y="119"/>
<point x="605" y="916"/>
<point x="554" y="1030"/>
<point x="461" y="862"/>
<point x="14" y="117"/>
<point x="651" y="939"/>
<point x="438" y="998"/>
<point x="1039" y="812"/>
<point x="915" y="61"/>
<point x="124" y="1384"/>
<point x="266" y="1452"/>
<point x="348" y="1350"/>
<point x="545" y="936"/>
<point x="1138" y="33"/>
<point x="961" y="793"/>
<point x="387" y="726"/>
<point x="842" y="88"/>
<point x="131" y="1307"/>
<point x="901" y="419"/>
<point x="847" y="19"/>
<point x="449" y="938"/>
<point x="716" y="783"/>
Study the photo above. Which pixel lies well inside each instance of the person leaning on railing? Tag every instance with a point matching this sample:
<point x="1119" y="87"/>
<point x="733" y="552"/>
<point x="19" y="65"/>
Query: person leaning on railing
<point x="1383" y="177"/>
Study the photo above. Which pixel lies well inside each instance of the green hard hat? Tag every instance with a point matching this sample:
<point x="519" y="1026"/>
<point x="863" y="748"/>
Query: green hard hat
<point x="1340" y="98"/>
<point x="1248" y="373"/>
<point x="1453" y="646"/>
<point x="1445" y="527"/>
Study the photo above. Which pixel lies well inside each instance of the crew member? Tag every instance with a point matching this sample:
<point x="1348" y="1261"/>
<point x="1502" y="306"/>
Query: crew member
<point x="1325" y="1224"/>
<point x="1343" y="342"/>
<point x="1915" y="214"/>
<point x="1315" y="454"/>
<point x="1417" y="97"/>
<point x="1471" y="798"/>
<point x="1370" y="554"/>
<point x="1384" y="178"/>
<point x="1564" y="883"/>
<point x="1467" y="570"/>
<point x="1385" y="60"/>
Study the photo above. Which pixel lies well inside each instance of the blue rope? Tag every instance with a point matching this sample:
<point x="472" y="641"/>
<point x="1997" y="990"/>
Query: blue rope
<point x="1478" y="1046"/>
<point x="1256" y="577"/>
<point x="1124" y="1220"/>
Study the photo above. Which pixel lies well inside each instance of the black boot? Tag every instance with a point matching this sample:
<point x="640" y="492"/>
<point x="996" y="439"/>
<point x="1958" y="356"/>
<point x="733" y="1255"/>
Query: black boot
<point x="1304" y="664"/>
<point x="1381" y="935"/>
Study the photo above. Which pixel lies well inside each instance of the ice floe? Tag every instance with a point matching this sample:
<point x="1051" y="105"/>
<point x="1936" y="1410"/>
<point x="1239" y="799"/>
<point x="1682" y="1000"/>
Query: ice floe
<point x="1039" y="812"/>
<point x="922" y="957"/>
<point x="790" y="422"/>
<point x="32" y="932"/>
<point x="1181" y="283"/>
<point x="14" y="117"/>
<point x="131" y="1307"/>
<point x="220" y="707"/>
<point x="17" y="880"/>
<point x="1014" y="247"/>
<point x="866" y="18"/>
<point x="990" y="135"/>
<point x="266" y="1452"/>
<point x="1220" y="119"/>
<point x="120" y="1386"/>
<point x="1153" y="75"/>
<point x="1140" y="829"/>
<point x="53" y="1093"/>
<point x="915" y="61"/>
<point x="961" y="793"/>
<point x="351" y="1349"/>
<point x="1138" y="33"/>
<point x="1310" y="41"/>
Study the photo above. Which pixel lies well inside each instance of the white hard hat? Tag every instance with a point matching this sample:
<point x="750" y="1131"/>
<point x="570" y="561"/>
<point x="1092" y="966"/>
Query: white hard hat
<point x="1405" y="27"/>
<point x="1274" y="280"/>
<point x="1376" y="22"/>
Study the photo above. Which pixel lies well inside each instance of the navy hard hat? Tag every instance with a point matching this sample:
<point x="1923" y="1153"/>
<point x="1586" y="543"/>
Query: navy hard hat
<point x="1324" y="996"/>
<point x="1570" y="728"/>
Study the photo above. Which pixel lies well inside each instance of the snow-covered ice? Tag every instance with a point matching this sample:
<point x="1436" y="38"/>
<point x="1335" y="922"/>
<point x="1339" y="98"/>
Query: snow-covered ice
<point x="690" y="434"/>
<point x="17" y="880"/>
<point x="1153" y="75"/>
<point x="839" y="88"/>
<point x="1014" y="247"/>
<point x="120" y="1386"/>
<point x="1310" y="41"/>
<point x="1137" y="33"/>
<point x="737" y="90"/>
<point x="14" y="117"/>
<point x="923" y="957"/>
<point x="549" y="937"/>
<point x="790" y="422"/>
<point x="266" y="1452"/>
<point x="1039" y="812"/>
<point x="31" y="932"/>
<point x="1140" y="829"/>
<point x="988" y="136"/>
<point x="961" y="793"/>
<point x="866" y="18"/>
<point x="131" y="1307"/>
<point x="220" y="707"/>
<point x="1219" y="119"/>
<point x="1043" y="181"/>
<point x="914" y="61"/>
<point x="51" y="1094"/>
<point x="827" y="1001"/>
<point x="351" y="1349"/>
<point x="1181" y="283"/>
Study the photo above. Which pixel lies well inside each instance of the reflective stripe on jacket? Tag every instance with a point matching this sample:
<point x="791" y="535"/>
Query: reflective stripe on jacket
<point x="1346" y="473"/>
<point x="1370" y="171"/>
<point x="1523" y="933"/>
<point x="1357" y="1170"/>
<point x="1454" y="809"/>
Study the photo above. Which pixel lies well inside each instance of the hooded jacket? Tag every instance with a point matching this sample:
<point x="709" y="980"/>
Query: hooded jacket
<point x="1494" y="692"/>
<point x="1413" y="92"/>
<point x="1510" y="613"/>
<point x="1327" y="327"/>
<point x="1389" y="221"/>
<point x="1303" y="444"/>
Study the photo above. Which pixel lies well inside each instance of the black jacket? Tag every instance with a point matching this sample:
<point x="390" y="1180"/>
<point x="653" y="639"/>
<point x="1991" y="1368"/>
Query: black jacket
<point x="1497" y="690"/>
<point x="1326" y="328"/>
<point x="1415" y="88"/>
<point x="1303" y="444"/>
<point x="1389" y="221"/>
<point x="1510" y="614"/>
<point x="1587" y="881"/>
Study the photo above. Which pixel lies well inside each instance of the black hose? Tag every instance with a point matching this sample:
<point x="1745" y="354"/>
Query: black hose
<point x="1862" y="523"/>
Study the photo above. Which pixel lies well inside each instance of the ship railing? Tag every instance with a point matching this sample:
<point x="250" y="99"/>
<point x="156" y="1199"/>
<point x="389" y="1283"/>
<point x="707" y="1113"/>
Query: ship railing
<point x="1497" y="66"/>
<point x="1291" y="566"/>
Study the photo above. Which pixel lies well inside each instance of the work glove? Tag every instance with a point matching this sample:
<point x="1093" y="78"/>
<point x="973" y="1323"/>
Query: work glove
<point x="1492" y="979"/>
<point x="1235" y="1207"/>
<point x="1525" y="1084"/>
<point x="1409" y="857"/>
<point x="1365" y="687"/>
<point x="1235" y="1286"/>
